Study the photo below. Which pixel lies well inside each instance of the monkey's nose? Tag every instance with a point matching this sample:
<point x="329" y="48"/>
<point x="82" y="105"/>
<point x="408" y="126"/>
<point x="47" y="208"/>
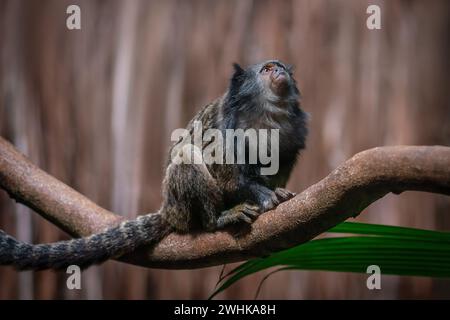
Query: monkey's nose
<point x="277" y="72"/>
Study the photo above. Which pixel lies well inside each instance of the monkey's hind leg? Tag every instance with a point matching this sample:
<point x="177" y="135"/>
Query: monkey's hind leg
<point x="194" y="199"/>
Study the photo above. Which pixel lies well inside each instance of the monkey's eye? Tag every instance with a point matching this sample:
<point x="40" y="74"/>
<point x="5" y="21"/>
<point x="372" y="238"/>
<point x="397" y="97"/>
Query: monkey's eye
<point x="266" y="69"/>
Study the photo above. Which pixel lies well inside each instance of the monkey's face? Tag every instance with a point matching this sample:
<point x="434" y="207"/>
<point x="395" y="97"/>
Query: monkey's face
<point x="269" y="81"/>
<point x="275" y="77"/>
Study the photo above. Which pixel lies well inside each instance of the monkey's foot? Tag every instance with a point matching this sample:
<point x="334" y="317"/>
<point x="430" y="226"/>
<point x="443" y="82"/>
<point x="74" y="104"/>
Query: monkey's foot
<point x="241" y="213"/>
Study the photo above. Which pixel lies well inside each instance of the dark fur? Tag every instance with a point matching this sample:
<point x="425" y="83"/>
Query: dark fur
<point x="83" y="252"/>
<point x="195" y="196"/>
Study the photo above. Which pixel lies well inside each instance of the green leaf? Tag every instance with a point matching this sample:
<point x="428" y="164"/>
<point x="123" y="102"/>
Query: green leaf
<point x="384" y="230"/>
<point x="396" y="250"/>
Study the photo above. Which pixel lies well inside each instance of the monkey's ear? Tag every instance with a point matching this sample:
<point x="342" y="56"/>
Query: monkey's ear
<point x="290" y="68"/>
<point x="238" y="71"/>
<point x="237" y="78"/>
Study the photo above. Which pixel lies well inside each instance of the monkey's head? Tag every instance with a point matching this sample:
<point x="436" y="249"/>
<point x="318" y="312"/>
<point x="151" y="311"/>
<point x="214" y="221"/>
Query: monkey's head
<point x="271" y="81"/>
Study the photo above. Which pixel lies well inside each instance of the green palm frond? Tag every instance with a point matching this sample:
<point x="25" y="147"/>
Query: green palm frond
<point x="396" y="250"/>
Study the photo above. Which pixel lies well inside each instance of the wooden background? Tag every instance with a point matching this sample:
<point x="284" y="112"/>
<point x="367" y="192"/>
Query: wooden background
<point x="96" y="107"/>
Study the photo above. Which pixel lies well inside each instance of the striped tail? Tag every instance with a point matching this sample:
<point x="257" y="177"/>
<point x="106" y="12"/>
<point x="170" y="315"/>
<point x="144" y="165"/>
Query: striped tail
<point x="83" y="252"/>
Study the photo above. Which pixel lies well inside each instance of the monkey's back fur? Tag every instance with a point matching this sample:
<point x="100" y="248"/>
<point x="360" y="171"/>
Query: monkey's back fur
<point x="198" y="196"/>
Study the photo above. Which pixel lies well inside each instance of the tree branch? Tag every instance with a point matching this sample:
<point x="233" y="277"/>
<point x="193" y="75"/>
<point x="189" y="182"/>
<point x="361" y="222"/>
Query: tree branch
<point x="344" y="193"/>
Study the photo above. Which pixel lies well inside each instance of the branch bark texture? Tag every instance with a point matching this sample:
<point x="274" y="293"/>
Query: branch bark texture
<point x="344" y="193"/>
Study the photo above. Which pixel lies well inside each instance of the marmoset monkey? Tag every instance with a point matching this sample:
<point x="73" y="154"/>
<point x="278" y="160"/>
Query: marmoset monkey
<point x="198" y="195"/>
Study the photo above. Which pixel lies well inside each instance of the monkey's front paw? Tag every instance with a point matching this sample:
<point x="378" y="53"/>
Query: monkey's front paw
<point x="284" y="194"/>
<point x="268" y="200"/>
<point x="271" y="199"/>
<point x="241" y="213"/>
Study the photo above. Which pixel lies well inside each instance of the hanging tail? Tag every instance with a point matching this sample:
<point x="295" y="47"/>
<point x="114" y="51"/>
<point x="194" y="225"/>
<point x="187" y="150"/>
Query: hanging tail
<point x="83" y="252"/>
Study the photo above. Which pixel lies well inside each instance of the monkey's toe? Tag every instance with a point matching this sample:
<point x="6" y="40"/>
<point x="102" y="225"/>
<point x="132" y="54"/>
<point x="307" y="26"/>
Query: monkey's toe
<point x="241" y="216"/>
<point x="251" y="211"/>
<point x="243" y="213"/>
<point x="272" y="200"/>
<point x="284" y="194"/>
<point x="269" y="202"/>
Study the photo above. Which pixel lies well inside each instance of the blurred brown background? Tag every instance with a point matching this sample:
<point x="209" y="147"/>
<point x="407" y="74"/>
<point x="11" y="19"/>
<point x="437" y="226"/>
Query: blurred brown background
<point x="96" y="107"/>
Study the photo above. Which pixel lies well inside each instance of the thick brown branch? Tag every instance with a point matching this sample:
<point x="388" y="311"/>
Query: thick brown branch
<point x="350" y="188"/>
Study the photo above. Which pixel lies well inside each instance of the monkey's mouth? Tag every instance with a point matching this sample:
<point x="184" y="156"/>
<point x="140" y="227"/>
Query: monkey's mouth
<point x="280" y="83"/>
